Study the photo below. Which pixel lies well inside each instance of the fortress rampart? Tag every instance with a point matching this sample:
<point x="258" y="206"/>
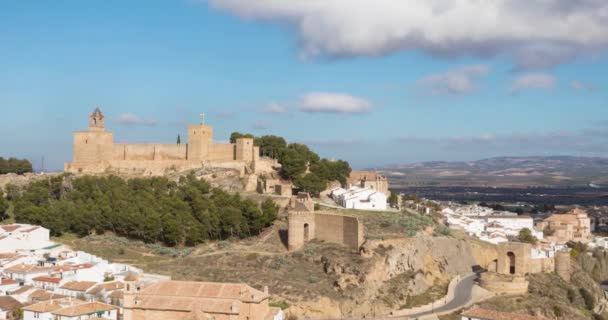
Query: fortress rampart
<point x="325" y="226"/>
<point x="96" y="152"/>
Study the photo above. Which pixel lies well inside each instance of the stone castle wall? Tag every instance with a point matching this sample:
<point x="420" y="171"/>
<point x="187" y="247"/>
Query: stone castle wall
<point x="96" y="152"/>
<point x="339" y="229"/>
<point x="330" y="227"/>
<point x="221" y="152"/>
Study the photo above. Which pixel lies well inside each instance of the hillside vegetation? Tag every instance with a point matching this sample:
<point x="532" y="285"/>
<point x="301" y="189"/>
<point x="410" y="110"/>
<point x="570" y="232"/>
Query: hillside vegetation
<point x="299" y="164"/>
<point x="150" y="209"/>
<point x="13" y="165"/>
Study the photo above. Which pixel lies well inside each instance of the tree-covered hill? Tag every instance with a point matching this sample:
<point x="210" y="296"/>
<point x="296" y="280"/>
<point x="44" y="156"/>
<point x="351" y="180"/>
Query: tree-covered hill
<point x="13" y="165"/>
<point x="299" y="164"/>
<point x="151" y="209"/>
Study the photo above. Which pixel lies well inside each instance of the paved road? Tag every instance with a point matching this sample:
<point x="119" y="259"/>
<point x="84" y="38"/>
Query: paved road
<point x="462" y="295"/>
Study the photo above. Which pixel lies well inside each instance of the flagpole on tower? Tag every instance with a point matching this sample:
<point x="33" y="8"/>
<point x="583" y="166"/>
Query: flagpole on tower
<point x="202" y="115"/>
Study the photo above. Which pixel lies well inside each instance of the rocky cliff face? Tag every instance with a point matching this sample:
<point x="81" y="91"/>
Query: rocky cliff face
<point x="391" y="273"/>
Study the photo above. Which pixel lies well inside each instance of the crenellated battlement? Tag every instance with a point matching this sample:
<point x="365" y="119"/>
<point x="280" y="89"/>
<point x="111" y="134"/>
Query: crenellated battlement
<point x="96" y="152"/>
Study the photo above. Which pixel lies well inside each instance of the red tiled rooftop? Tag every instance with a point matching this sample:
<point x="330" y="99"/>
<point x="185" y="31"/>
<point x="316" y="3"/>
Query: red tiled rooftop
<point x="47" y="279"/>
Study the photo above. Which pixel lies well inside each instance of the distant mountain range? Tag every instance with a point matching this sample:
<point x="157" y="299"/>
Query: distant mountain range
<point x="503" y="172"/>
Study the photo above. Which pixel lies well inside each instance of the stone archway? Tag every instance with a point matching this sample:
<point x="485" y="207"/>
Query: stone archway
<point x="306" y="232"/>
<point x="511" y="260"/>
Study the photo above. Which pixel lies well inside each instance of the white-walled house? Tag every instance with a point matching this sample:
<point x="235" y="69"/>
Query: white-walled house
<point x="15" y="237"/>
<point x="76" y="289"/>
<point x="46" y="283"/>
<point x="24" y="273"/>
<point x="6" y="285"/>
<point x="360" y="198"/>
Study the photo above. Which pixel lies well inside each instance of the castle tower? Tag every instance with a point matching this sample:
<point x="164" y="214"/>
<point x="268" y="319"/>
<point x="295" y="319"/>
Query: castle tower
<point x="97" y="121"/>
<point x="301" y="229"/>
<point x="95" y="145"/>
<point x="244" y="149"/>
<point x="200" y="139"/>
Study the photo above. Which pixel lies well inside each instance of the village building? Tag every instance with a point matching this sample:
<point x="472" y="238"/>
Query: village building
<point x="76" y="289"/>
<point x="572" y="226"/>
<point x="366" y="198"/>
<point x="24" y="273"/>
<point x="16" y="237"/>
<point x="70" y="309"/>
<point x="369" y="179"/>
<point x="9" y="308"/>
<point x="176" y="300"/>
<point x="46" y="283"/>
<point x="6" y="285"/>
<point x="43" y="295"/>
<point x="95" y="151"/>
<point x="102" y="291"/>
<point x="493" y="228"/>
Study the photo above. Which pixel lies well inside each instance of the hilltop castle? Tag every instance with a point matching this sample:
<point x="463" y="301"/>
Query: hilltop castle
<point x="96" y="152"/>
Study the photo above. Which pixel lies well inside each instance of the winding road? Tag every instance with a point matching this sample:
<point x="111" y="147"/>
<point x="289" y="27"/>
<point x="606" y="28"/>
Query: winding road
<point x="462" y="296"/>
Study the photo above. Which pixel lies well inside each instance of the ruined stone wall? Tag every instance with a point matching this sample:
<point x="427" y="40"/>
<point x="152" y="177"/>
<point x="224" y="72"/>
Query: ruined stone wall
<point x="503" y="284"/>
<point x="342" y="229"/>
<point x="221" y="152"/>
<point x="485" y="254"/>
<point x="546" y="265"/>
<point x="265" y="165"/>
<point x="562" y="265"/>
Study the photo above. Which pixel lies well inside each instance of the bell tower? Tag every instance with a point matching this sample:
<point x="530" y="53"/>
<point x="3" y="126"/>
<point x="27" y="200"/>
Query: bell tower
<point x="96" y="121"/>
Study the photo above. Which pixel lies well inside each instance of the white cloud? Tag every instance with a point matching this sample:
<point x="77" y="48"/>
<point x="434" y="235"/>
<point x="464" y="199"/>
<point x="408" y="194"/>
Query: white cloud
<point x="536" y="34"/>
<point x="275" y="108"/>
<point x="261" y="125"/>
<point x="131" y="119"/>
<point x="579" y="85"/>
<point x="457" y="81"/>
<point x="533" y="81"/>
<point x="326" y="102"/>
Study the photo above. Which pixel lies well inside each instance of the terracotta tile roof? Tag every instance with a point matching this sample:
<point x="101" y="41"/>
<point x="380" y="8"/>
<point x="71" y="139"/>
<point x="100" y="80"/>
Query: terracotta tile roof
<point x="117" y="294"/>
<point x="27" y="269"/>
<point x="6" y="282"/>
<point x="486" y="314"/>
<point x="107" y="286"/>
<point x="78" y="285"/>
<point x="237" y="291"/>
<point x="43" y="295"/>
<point x="190" y="304"/>
<point x="3" y="237"/>
<point x="7" y="255"/>
<point x="31" y="229"/>
<point x="131" y="276"/>
<point x="84" y="309"/>
<point x="10" y="228"/>
<point x="22" y="289"/>
<point x="70" y="267"/>
<point x="8" y="303"/>
<point x="52" y="305"/>
<point x="47" y="279"/>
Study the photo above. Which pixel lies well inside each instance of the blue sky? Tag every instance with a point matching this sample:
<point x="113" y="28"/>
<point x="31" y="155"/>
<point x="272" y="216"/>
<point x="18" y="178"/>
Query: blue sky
<point x="353" y="82"/>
